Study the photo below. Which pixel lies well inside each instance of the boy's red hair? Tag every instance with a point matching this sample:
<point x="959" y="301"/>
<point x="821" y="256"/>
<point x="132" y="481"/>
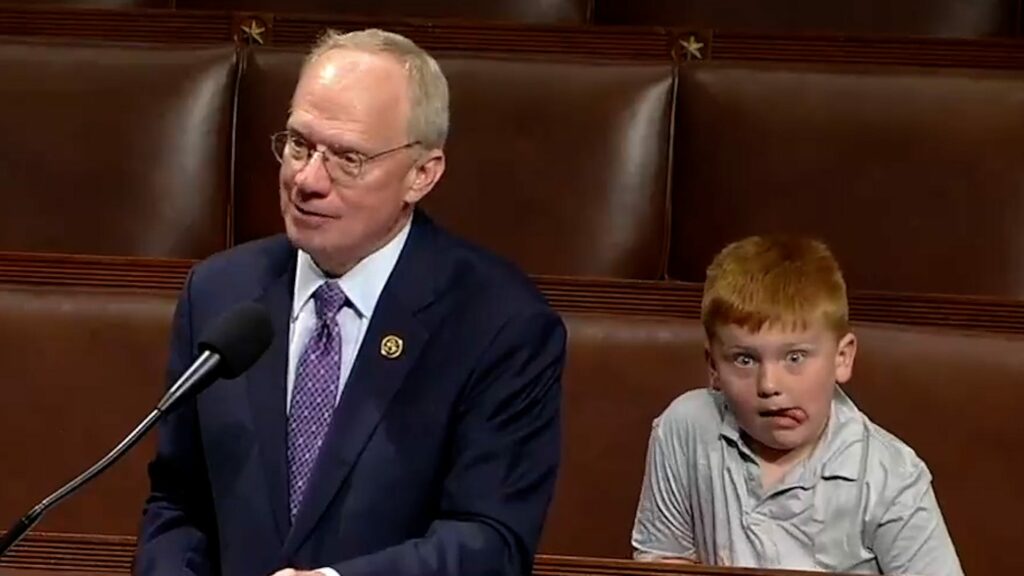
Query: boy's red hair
<point x="775" y="280"/>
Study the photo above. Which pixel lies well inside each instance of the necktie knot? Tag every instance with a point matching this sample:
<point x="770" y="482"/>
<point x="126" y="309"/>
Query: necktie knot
<point x="329" y="298"/>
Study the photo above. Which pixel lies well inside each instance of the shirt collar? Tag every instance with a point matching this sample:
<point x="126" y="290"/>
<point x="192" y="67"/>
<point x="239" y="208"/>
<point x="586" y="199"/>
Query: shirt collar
<point x="362" y="284"/>
<point x="729" y="428"/>
<point x="847" y="441"/>
<point x="837" y="455"/>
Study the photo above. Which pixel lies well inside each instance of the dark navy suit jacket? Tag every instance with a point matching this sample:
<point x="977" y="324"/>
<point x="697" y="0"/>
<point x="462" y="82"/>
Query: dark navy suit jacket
<point x="440" y="461"/>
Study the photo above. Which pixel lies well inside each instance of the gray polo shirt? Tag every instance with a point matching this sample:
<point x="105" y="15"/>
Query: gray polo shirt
<point x="862" y="501"/>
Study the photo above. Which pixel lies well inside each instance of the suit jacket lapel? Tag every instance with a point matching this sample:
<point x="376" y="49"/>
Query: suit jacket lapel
<point x="266" y="389"/>
<point x="375" y="377"/>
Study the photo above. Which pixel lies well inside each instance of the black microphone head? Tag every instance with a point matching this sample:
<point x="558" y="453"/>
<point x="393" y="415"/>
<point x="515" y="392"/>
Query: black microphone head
<point x="240" y="337"/>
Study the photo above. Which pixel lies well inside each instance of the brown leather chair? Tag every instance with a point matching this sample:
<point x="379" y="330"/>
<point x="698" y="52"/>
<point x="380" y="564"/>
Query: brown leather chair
<point x="955" y="398"/>
<point x="952" y="18"/>
<point x="621" y="373"/>
<point x="116" y="149"/>
<point x="558" y="164"/>
<point x="912" y="175"/>
<point x="532" y="11"/>
<point x="81" y="368"/>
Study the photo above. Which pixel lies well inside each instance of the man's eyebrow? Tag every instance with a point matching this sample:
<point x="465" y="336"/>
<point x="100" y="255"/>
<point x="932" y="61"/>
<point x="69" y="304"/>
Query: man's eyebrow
<point x="344" y="148"/>
<point x="296" y="131"/>
<point x="337" y="148"/>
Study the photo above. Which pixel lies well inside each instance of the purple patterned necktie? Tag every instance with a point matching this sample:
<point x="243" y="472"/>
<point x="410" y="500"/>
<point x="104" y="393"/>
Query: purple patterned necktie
<point x="315" y="391"/>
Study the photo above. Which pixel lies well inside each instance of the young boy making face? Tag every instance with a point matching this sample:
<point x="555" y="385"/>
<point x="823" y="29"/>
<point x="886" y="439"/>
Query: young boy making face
<point x="774" y="466"/>
<point x="779" y="384"/>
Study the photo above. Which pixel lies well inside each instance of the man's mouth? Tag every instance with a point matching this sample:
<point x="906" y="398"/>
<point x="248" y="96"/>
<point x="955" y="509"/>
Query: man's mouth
<point x="306" y="212"/>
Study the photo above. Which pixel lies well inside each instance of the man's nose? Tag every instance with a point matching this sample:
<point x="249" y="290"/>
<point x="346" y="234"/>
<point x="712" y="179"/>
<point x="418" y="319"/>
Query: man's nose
<point x="312" y="178"/>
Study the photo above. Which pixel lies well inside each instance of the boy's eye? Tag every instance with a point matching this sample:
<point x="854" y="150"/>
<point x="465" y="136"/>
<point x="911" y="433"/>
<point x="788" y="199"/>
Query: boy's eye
<point x="796" y="357"/>
<point x="743" y="360"/>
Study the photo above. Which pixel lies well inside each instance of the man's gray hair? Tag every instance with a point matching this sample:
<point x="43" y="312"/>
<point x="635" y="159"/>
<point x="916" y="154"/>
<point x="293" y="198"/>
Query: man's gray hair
<point x="428" y="117"/>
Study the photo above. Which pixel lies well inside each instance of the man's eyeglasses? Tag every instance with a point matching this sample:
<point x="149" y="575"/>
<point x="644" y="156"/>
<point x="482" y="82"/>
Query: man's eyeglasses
<point x="294" y="152"/>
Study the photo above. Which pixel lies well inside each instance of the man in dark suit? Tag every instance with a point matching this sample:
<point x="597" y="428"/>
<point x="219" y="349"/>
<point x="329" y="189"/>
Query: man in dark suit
<point x="405" y="420"/>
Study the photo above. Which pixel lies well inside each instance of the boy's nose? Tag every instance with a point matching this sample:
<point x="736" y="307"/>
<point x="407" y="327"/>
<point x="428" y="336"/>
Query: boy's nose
<point x="766" y="382"/>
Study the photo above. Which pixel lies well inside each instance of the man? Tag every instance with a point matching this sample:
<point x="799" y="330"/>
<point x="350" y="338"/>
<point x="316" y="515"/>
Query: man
<point x="405" y="419"/>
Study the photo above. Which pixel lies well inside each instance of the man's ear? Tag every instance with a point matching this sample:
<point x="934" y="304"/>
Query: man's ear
<point x="425" y="174"/>
<point x="845" y="353"/>
<point x="709" y="358"/>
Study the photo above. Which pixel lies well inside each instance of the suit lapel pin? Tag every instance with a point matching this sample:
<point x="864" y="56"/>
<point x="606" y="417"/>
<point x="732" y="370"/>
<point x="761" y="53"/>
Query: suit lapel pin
<point x="391" y="346"/>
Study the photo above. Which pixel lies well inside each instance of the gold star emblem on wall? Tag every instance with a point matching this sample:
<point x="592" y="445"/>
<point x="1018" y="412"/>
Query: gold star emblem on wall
<point x="692" y="47"/>
<point x="253" y="31"/>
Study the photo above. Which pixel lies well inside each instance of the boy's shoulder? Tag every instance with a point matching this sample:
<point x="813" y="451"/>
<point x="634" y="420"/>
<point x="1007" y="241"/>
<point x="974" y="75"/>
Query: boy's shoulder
<point x="894" y="456"/>
<point x="888" y="462"/>
<point x="696" y="413"/>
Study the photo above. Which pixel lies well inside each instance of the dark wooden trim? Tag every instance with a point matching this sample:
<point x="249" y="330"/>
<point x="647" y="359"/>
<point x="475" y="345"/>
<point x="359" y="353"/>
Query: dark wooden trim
<point x="135" y="25"/>
<point x="564" y="40"/>
<point x="113" y="555"/>
<point x="663" y="43"/>
<point x="567" y="294"/>
<point x="957" y="311"/>
<point x="601" y="41"/>
<point x="626" y="297"/>
<point x="92" y="271"/>
<point x="942" y="52"/>
<point x="182" y="26"/>
<point x="84" y="552"/>
<point x="578" y="566"/>
<point x="682" y="300"/>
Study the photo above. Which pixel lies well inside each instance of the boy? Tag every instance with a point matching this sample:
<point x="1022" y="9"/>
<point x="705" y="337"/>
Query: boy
<point x="774" y="466"/>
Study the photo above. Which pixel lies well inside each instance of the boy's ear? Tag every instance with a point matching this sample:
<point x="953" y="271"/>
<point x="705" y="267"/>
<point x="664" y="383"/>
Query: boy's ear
<point x="712" y="367"/>
<point x="845" y="354"/>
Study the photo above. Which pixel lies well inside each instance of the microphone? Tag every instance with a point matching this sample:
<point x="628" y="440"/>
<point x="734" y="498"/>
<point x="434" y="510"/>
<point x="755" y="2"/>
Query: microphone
<point x="231" y="344"/>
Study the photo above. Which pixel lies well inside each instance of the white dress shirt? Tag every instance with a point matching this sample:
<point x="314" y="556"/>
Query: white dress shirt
<point x="362" y="286"/>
